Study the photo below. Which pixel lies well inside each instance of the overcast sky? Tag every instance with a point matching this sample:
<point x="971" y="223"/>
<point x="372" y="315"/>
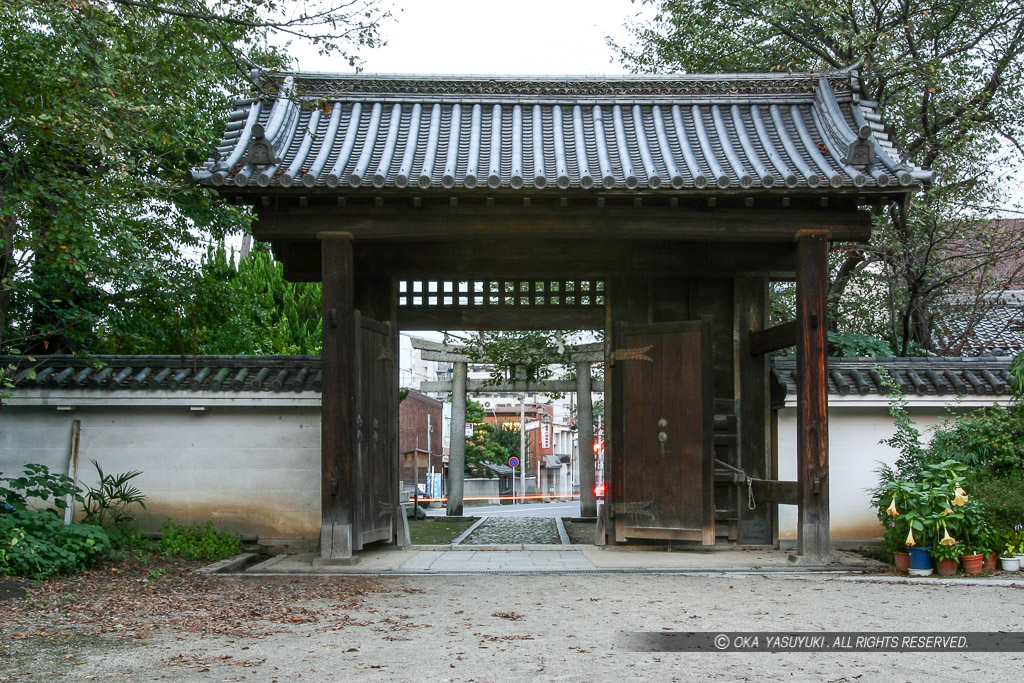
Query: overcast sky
<point x="494" y="37"/>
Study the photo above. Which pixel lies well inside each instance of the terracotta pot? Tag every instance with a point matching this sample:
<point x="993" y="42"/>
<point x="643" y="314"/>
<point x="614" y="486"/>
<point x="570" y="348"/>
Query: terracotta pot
<point x="991" y="561"/>
<point x="902" y="562"/>
<point x="946" y="567"/>
<point x="973" y="564"/>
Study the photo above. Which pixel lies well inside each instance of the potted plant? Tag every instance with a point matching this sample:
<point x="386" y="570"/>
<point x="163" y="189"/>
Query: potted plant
<point x="930" y="506"/>
<point x="946" y="555"/>
<point x="1008" y="561"/>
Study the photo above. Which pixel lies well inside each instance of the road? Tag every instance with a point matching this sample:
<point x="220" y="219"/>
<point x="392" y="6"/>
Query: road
<point x="561" y="509"/>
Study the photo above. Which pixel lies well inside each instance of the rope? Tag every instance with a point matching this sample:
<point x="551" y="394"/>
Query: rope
<point x="749" y="481"/>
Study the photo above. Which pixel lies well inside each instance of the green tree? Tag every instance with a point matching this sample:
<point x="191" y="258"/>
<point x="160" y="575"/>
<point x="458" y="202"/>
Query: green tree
<point x="224" y="308"/>
<point x="106" y="106"/>
<point x="948" y="77"/>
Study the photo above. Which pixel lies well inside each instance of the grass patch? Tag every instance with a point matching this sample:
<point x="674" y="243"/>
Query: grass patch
<point x="436" y="532"/>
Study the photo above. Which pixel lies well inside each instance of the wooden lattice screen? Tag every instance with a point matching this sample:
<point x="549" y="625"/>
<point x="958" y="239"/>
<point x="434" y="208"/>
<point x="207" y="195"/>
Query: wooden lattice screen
<point x="499" y="294"/>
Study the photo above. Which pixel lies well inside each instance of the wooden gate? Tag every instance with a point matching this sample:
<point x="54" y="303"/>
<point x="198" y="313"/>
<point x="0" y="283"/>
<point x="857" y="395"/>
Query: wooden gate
<point x="662" y="470"/>
<point x="376" y="443"/>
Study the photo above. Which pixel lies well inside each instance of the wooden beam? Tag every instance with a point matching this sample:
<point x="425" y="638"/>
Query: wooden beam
<point x="773" y="338"/>
<point x="542" y="258"/>
<point x="812" y="397"/>
<point x="577" y="222"/>
<point x="781" y="492"/>
<point x="338" y="487"/>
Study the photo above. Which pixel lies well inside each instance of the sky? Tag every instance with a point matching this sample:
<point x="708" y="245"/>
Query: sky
<point x="514" y="37"/>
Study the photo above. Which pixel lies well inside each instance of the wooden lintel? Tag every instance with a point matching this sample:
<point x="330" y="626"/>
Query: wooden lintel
<point x="521" y="386"/>
<point x="774" y="338"/>
<point x="781" y="492"/>
<point x="453" y="222"/>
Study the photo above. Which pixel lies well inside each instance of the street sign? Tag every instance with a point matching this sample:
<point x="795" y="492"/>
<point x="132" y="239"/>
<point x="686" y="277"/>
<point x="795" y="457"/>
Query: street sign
<point x="469" y="430"/>
<point x="513" y="461"/>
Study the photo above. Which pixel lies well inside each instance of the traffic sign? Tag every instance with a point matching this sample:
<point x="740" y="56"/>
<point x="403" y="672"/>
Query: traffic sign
<point x="513" y="461"/>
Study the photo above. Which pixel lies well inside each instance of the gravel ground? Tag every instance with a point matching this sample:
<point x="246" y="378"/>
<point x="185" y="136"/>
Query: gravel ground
<point x="539" y="627"/>
<point x="512" y="530"/>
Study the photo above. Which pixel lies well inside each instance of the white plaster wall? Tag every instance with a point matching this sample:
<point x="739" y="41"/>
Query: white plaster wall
<point x="247" y="469"/>
<point x="478" y="487"/>
<point x="854" y="453"/>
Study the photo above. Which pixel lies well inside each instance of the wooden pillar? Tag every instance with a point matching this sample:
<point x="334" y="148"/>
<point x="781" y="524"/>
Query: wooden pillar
<point x="457" y="449"/>
<point x="338" y="487"/>
<point x="585" y="431"/>
<point x="812" y="396"/>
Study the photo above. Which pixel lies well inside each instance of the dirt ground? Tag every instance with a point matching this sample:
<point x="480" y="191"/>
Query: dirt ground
<point x="127" y="625"/>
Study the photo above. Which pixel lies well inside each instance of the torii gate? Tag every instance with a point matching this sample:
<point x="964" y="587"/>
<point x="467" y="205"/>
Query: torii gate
<point x="582" y="357"/>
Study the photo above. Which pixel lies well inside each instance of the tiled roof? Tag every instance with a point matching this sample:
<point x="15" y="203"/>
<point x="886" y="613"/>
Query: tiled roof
<point x="999" y="332"/>
<point x="777" y="132"/>
<point x="167" y="373"/>
<point x="921" y="376"/>
<point x="916" y="376"/>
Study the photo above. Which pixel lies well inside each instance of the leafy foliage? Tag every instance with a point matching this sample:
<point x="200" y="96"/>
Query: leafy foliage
<point x="197" y="542"/>
<point x="947" y="77"/>
<point x="226" y="307"/>
<point x="106" y="504"/>
<point x="106" y="107"/>
<point x="37" y="544"/>
<point x="39" y="483"/>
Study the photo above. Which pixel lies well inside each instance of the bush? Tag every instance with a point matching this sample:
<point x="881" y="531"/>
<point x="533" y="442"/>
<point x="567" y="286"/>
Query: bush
<point x="37" y="544"/>
<point x="991" y="438"/>
<point x="38" y="481"/>
<point x="195" y="542"/>
<point x="1002" y="494"/>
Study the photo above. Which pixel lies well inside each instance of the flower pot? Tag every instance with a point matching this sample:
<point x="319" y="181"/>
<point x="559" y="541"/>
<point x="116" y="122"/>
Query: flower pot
<point x="902" y="562"/>
<point x="1009" y="564"/>
<point x="991" y="561"/>
<point x="973" y="564"/>
<point x="920" y="560"/>
<point x="946" y="567"/>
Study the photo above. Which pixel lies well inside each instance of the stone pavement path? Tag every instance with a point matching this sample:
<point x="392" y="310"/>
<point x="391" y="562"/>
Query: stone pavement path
<point x="514" y="530"/>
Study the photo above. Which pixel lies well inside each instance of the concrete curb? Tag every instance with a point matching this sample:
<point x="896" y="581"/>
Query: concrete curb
<point x="562" y="535"/>
<point x="230" y="564"/>
<point x="465" y="534"/>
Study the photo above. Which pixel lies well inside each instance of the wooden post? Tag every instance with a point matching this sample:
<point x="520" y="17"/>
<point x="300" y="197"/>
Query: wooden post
<point x="338" y="487"/>
<point x="457" y="449"/>
<point x="585" y="426"/>
<point x="812" y="397"/>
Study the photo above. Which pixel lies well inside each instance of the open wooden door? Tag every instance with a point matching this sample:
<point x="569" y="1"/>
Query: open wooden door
<point x="662" y="470"/>
<point x="376" y="411"/>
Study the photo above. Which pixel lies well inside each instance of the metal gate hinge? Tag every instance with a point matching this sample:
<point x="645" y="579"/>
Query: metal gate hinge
<point x="633" y="354"/>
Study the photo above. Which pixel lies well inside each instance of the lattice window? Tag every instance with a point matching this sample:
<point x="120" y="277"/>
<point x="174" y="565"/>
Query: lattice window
<point x="498" y="294"/>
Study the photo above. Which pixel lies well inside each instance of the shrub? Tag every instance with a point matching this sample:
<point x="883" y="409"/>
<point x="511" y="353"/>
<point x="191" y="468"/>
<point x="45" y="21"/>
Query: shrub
<point x="37" y="544"/>
<point x="38" y="481"/>
<point x="107" y="503"/>
<point x="198" y="542"/>
<point x="991" y="437"/>
<point x="1002" y="494"/>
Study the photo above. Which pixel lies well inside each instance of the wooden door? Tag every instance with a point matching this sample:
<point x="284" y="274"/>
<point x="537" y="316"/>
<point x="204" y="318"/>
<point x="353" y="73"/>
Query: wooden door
<point x="376" y="411"/>
<point x="662" y="469"/>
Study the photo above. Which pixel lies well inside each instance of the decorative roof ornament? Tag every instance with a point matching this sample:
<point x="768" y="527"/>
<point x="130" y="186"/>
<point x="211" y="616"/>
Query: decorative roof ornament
<point x="261" y="151"/>
<point x="862" y="150"/>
